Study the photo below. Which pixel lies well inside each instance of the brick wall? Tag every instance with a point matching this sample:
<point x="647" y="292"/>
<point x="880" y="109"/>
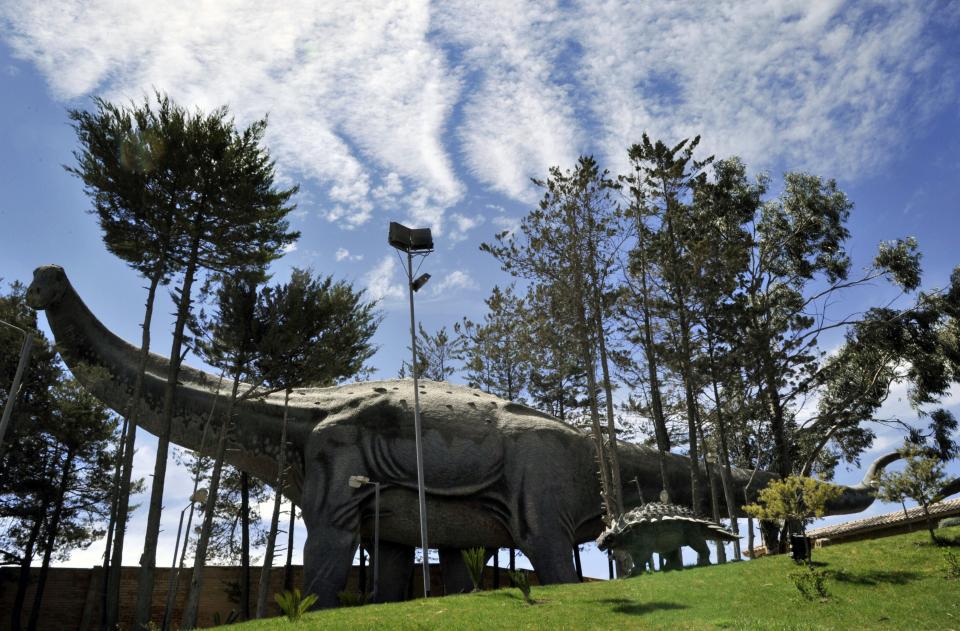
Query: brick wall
<point x="71" y="599"/>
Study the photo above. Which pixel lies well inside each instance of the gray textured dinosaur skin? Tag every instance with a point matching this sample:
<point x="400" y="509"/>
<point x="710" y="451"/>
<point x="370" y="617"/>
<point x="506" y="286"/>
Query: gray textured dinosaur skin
<point x="498" y="474"/>
<point x="664" y="529"/>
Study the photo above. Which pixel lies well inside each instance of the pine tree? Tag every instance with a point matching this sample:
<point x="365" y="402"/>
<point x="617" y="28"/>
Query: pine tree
<point x="436" y="354"/>
<point x="316" y="332"/>
<point x="127" y="161"/>
<point x="177" y="193"/>
<point x="568" y="245"/>
<point x="496" y="352"/>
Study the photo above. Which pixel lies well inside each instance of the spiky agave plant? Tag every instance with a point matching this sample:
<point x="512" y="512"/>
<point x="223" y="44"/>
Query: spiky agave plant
<point x="293" y="605"/>
<point x="475" y="559"/>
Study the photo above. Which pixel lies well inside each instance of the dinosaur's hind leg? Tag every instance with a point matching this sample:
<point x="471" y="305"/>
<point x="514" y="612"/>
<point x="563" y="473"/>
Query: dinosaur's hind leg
<point x="702" y="550"/>
<point x="552" y="557"/>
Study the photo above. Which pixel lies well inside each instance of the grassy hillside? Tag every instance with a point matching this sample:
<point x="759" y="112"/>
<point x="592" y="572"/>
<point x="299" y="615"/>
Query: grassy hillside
<point x="892" y="583"/>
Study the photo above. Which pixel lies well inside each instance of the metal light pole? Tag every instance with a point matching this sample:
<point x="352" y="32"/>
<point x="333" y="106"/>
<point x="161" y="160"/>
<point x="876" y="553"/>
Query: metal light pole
<point x="356" y="481"/>
<point x="17" y="377"/>
<point x="416" y="241"/>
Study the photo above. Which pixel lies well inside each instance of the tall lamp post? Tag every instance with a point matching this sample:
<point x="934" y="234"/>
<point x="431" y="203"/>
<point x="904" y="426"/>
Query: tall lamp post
<point x="17" y="377"/>
<point x="416" y="242"/>
<point x="355" y="482"/>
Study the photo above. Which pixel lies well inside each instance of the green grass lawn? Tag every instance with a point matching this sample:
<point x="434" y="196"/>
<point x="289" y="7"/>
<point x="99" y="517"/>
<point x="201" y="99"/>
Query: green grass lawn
<point x="892" y="583"/>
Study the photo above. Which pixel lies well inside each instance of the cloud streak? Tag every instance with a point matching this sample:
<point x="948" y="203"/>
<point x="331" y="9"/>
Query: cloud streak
<point x="401" y="104"/>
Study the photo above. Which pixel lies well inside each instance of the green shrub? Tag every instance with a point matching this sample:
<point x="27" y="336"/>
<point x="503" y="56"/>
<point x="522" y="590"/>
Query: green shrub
<point x="351" y="599"/>
<point x="951" y="565"/>
<point x="949" y="522"/>
<point x="293" y="605"/>
<point x="810" y="582"/>
<point x="521" y="582"/>
<point x="475" y="559"/>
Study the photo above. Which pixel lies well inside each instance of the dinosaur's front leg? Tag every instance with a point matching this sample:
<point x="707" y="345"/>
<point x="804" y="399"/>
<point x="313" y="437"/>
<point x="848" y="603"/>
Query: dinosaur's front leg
<point x="327" y="556"/>
<point x="331" y="514"/>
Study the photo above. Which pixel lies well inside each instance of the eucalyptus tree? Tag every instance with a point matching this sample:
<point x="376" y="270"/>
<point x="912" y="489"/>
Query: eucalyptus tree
<point x="569" y="244"/>
<point x="316" y="332"/>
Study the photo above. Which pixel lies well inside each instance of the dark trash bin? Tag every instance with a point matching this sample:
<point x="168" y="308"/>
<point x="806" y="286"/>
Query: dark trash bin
<point x="800" y="547"/>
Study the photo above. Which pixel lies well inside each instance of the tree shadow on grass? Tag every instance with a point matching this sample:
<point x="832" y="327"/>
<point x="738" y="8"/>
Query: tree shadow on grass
<point x="633" y="608"/>
<point x="874" y="577"/>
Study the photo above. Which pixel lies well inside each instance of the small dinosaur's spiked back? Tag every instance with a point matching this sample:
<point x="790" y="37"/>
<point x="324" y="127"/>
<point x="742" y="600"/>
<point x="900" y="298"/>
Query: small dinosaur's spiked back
<point x="654" y="518"/>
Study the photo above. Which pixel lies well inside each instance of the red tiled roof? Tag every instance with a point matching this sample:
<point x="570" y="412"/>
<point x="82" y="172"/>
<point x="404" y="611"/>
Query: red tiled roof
<point x="938" y="511"/>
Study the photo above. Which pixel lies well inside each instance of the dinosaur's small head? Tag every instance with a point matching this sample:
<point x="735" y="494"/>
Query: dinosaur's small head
<point x="48" y="286"/>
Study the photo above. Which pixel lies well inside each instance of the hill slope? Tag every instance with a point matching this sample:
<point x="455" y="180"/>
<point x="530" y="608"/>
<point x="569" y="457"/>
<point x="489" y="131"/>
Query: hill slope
<point x="892" y="583"/>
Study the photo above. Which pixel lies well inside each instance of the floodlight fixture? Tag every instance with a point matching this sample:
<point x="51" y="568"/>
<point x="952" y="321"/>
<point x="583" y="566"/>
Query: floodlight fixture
<point x="410" y="240"/>
<point x="420" y="282"/>
<point x="356" y="481"/>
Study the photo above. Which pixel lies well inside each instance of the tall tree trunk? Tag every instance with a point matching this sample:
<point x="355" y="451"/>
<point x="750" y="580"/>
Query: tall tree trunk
<point x="245" y="545"/>
<point x="288" y="566"/>
<point x="112" y="523"/>
<point x="653" y="376"/>
<point x="53" y="529"/>
<point x="590" y="365"/>
<point x="174" y="585"/>
<point x="23" y="577"/>
<point x="615" y="482"/>
<point x="203" y="542"/>
<point x="275" y="516"/>
<point x="726" y="472"/>
<point x="696" y="480"/>
<point x="111" y="609"/>
<point x="149" y="558"/>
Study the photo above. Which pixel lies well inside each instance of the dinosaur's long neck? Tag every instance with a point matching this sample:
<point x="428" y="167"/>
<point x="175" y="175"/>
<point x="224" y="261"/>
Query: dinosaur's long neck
<point x="107" y="366"/>
<point x="640" y="463"/>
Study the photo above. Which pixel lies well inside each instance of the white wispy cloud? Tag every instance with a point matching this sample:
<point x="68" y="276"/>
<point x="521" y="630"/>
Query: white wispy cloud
<point x="381" y="280"/>
<point x="462" y="224"/>
<point x="343" y="254"/>
<point x="355" y="92"/>
<point x="457" y="279"/>
<point x="390" y="104"/>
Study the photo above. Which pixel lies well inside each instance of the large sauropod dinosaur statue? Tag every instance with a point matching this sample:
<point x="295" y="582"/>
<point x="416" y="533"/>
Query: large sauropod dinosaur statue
<point x="498" y="474"/>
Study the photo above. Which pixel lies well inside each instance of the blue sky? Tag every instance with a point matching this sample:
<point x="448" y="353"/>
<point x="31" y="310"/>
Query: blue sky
<point x="438" y="114"/>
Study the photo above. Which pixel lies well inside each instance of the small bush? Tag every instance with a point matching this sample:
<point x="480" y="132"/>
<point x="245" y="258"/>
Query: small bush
<point x="293" y="605"/>
<point x="951" y="565"/>
<point x="810" y="582"/>
<point x="949" y="522"/>
<point x="475" y="559"/>
<point x="351" y="599"/>
<point x="521" y="582"/>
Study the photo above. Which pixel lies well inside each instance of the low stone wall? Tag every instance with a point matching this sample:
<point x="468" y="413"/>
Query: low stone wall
<point x="72" y="598"/>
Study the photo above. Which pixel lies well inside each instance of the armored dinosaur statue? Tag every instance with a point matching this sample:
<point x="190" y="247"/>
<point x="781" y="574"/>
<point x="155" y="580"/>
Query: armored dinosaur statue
<point x="498" y="474"/>
<point x="664" y="529"/>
